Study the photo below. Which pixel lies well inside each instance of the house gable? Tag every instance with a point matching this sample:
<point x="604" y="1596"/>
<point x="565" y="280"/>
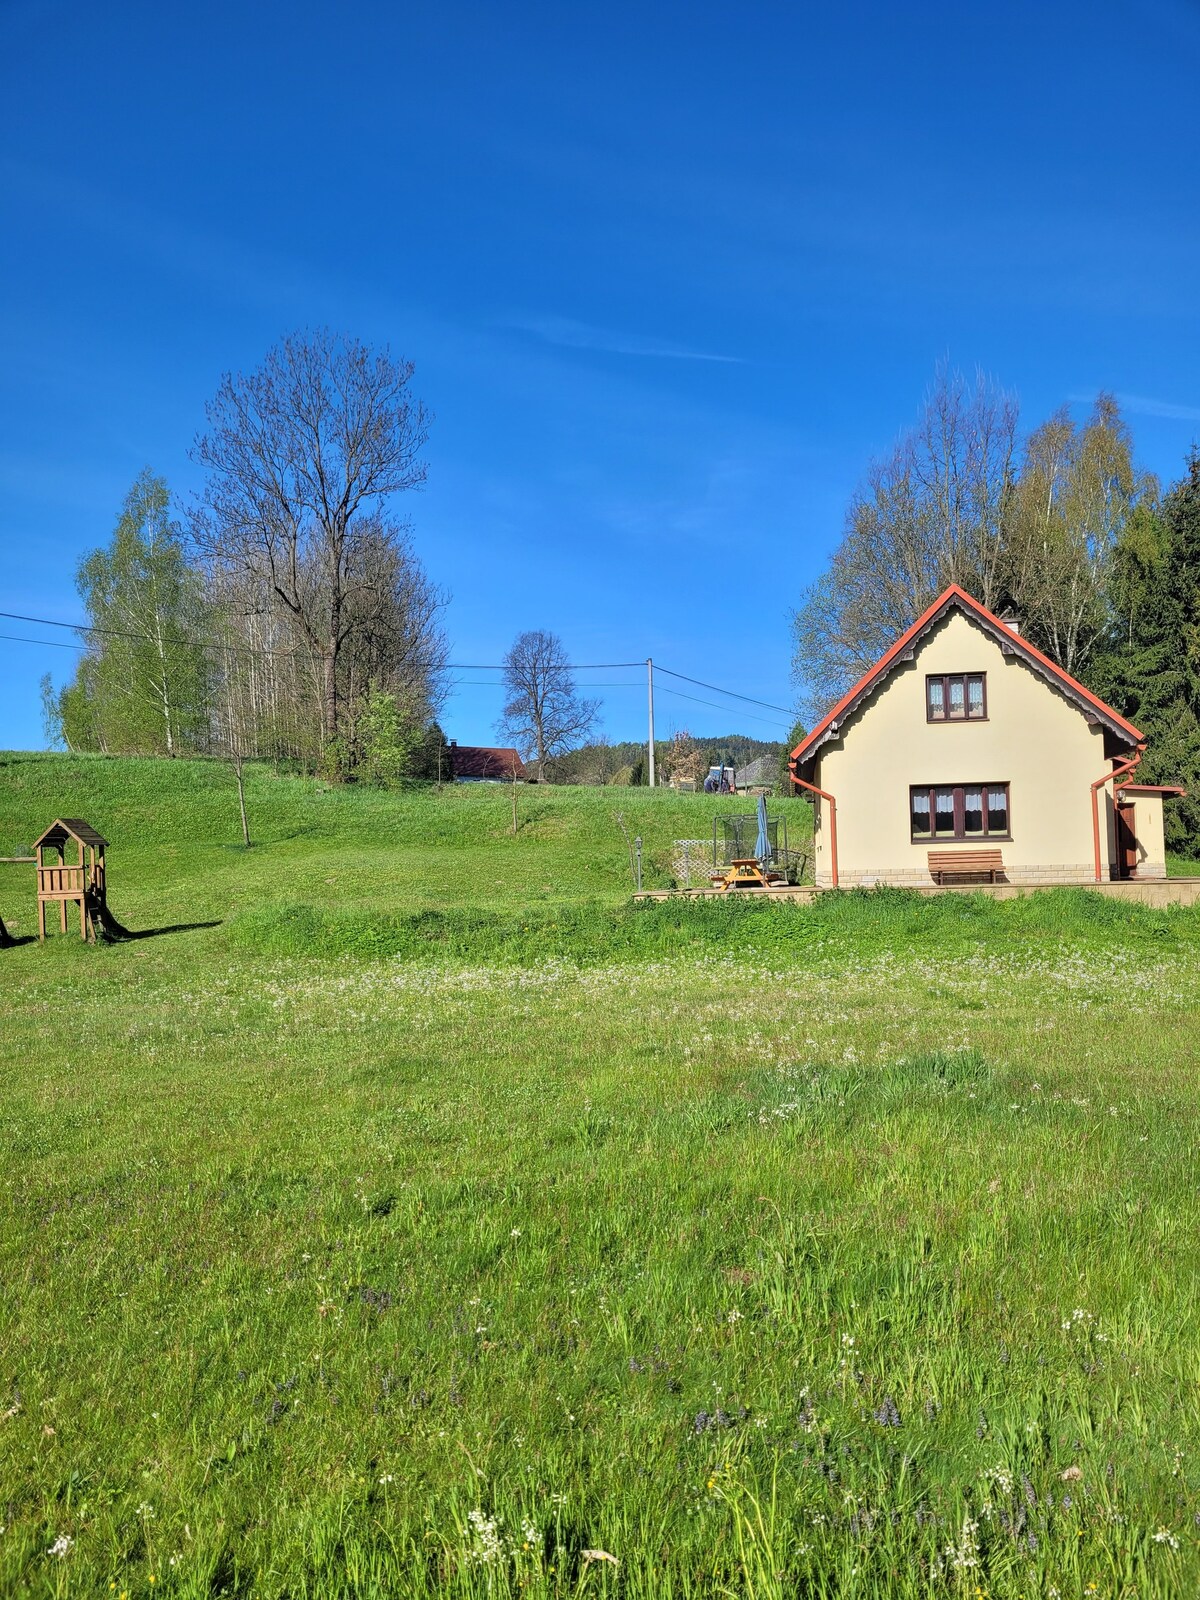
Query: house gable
<point x="1011" y="645"/>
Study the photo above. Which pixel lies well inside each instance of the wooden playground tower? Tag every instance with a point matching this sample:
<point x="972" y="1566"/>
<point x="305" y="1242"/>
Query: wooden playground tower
<point x="81" y="882"/>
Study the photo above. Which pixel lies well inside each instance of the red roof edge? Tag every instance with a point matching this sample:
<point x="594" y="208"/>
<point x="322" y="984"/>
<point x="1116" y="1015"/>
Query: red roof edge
<point x="969" y="603"/>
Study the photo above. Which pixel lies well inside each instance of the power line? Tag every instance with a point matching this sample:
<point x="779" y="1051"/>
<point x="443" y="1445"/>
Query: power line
<point x="695" y="699"/>
<point x="450" y="666"/>
<point x="716" y="687"/>
<point x="490" y="683"/>
<point x="175" y="643"/>
<point x="51" y="644"/>
<point x="263" y="650"/>
<point x="502" y="666"/>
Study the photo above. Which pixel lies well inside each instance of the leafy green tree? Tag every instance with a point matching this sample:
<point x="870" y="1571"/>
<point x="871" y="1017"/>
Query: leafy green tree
<point x="390" y="739"/>
<point x="51" y="713"/>
<point x="141" y="684"/>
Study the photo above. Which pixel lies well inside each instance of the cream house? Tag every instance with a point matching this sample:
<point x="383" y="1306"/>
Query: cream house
<point x="966" y="753"/>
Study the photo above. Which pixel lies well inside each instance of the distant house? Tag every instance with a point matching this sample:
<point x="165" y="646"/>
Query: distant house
<point x="478" y="763"/>
<point x="965" y="752"/>
<point x="761" y="773"/>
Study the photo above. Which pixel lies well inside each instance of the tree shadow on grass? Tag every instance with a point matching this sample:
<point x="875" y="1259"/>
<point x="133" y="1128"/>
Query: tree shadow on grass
<point x="176" y="927"/>
<point x="125" y="936"/>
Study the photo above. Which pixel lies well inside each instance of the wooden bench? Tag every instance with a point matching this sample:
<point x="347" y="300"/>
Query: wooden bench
<point x="965" y="863"/>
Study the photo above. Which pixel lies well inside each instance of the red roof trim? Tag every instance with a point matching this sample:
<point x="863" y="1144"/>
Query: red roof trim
<point x="948" y="597"/>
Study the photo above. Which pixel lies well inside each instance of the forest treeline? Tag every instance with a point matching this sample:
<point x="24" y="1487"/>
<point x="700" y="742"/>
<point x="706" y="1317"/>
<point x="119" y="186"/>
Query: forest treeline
<point x="684" y="756"/>
<point x="1058" y="528"/>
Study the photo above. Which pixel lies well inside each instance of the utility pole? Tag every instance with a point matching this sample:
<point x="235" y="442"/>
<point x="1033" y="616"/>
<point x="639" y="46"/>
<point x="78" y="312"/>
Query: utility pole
<point x="650" y="693"/>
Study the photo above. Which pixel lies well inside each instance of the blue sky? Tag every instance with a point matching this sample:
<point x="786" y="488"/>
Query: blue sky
<point x="670" y="276"/>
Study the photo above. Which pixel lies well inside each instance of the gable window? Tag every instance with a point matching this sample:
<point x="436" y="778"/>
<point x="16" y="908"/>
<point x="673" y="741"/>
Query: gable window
<point x="956" y="697"/>
<point x="958" y="811"/>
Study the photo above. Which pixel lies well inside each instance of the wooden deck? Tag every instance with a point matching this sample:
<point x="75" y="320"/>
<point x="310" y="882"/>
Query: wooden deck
<point x="1141" y="891"/>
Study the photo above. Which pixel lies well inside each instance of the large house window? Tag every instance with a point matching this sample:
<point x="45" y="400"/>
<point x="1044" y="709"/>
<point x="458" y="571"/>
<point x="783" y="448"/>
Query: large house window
<point x="956" y="697"/>
<point x="959" y="811"/>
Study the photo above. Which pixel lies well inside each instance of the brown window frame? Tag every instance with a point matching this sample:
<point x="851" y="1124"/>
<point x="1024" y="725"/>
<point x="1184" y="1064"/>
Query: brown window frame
<point x="960" y="835"/>
<point x="945" y="679"/>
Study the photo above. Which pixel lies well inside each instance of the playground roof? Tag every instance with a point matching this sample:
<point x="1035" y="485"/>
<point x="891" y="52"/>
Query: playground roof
<point x="64" y="828"/>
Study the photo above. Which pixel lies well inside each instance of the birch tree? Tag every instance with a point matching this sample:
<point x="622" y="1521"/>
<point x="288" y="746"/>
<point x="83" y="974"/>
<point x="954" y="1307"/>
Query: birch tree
<point x="140" y="686"/>
<point x="1077" y="489"/>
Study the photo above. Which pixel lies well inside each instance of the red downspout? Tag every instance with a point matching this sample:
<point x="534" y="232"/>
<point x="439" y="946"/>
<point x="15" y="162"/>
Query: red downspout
<point x="1115" y="772"/>
<point x="812" y="789"/>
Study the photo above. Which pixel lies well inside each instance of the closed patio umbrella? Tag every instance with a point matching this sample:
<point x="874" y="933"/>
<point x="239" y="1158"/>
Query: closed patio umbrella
<point x="762" y="847"/>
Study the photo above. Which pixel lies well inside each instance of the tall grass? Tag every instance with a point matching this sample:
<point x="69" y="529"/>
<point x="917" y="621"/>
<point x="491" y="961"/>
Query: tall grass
<point x="590" y="931"/>
<point x="685" y="1250"/>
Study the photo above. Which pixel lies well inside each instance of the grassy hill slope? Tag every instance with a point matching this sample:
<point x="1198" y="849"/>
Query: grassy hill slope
<point x="177" y="854"/>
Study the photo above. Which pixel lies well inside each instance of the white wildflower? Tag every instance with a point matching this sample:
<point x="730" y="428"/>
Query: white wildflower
<point x="1001" y="1477"/>
<point x="487" y="1545"/>
<point x="61" y="1546"/>
<point x="963" y="1555"/>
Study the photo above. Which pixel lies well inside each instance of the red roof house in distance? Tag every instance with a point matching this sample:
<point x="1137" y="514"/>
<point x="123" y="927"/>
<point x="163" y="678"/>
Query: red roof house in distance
<point x="478" y="763"/>
<point x="965" y="753"/>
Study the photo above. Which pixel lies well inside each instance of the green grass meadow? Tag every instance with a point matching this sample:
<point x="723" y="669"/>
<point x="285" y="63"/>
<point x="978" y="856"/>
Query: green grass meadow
<point x="415" y="1215"/>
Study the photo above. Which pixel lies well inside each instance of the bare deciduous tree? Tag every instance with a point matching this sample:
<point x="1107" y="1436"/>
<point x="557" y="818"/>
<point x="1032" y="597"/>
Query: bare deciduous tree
<point x="544" y="712"/>
<point x="930" y="514"/>
<point x="303" y="457"/>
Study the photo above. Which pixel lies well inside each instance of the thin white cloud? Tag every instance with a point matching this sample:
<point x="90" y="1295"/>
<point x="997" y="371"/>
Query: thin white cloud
<point x="1143" y="406"/>
<point x="1159" y="408"/>
<point x="573" y="335"/>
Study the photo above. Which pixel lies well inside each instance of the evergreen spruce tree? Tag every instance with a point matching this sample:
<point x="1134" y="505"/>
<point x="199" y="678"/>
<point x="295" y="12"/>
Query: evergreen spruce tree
<point x="785" y="772"/>
<point x="1150" y="670"/>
